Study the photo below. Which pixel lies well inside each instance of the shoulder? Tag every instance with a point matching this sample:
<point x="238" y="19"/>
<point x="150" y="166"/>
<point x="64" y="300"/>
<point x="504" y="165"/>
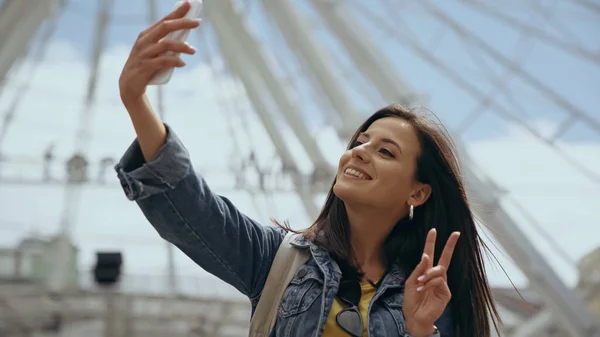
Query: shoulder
<point x="298" y="240"/>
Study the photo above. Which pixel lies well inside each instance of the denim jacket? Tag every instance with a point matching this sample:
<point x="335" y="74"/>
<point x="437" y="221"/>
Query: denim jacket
<point x="219" y="238"/>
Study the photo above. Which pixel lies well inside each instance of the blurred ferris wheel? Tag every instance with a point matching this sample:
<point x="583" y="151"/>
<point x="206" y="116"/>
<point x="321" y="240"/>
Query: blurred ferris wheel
<point x="278" y="86"/>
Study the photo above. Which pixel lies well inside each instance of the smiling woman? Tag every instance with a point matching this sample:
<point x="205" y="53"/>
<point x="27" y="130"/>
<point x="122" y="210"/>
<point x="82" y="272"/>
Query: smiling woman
<point x="398" y="187"/>
<point x="377" y="155"/>
<point x="375" y="268"/>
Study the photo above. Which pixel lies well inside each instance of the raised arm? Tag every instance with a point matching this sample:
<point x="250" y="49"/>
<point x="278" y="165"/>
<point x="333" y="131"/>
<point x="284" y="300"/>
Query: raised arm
<point x="157" y="173"/>
<point x="146" y="58"/>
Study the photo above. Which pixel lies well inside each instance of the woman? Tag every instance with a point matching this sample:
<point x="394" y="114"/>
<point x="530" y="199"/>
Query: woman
<point x="380" y="249"/>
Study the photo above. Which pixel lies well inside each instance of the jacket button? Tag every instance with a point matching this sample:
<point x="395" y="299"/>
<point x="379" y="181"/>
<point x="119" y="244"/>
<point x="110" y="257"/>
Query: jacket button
<point x="302" y="272"/>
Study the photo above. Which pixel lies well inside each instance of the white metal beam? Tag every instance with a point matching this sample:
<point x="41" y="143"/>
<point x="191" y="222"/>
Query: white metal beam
<point x="57" y="279"/>
<point x="243" y="67"/>
<point x="298" y="35"/>
<point x="567" y="305"/>
<point x="365" y="54"/>
<point x="535" y="326"/>
<point x="517" y="69"/>
<point x="251" y="82"/>
<point x="252" y="51"/>
<point x="23" y="89"/>
<point x="254" y="189"/>
<point x="19" y="21"/>
<point x="565" y="45"/>
<point x="545" y="320"/>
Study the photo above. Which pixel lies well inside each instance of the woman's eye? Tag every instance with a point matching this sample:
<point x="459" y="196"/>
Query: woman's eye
<point x="387" y="152"/>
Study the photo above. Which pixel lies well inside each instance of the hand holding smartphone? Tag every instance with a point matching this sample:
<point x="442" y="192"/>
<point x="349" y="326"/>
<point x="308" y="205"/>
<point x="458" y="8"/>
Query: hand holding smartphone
<point x="164" y="75"/>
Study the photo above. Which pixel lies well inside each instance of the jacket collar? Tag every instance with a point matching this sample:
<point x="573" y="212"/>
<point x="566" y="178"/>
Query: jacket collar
<point x="395" y="277"/>
<point x="300" y="241"/>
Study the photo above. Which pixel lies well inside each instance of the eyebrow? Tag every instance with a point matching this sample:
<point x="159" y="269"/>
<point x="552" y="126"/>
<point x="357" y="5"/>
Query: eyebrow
<point x="383" y="140"/>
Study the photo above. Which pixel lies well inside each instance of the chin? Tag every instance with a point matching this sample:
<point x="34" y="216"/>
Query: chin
<point x="349" y="194"/>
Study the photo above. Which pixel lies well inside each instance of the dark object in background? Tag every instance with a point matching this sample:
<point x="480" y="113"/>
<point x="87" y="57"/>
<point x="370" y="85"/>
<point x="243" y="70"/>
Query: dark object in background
<point x="108" y="268"/>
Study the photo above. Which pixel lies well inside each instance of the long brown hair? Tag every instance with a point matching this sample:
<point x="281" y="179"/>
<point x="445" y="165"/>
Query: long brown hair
<point x="447" y="209"/>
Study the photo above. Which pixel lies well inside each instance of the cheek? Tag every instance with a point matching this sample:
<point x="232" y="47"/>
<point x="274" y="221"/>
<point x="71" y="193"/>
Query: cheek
<point x="344" y="159"/>
<point x="394" y="180"/>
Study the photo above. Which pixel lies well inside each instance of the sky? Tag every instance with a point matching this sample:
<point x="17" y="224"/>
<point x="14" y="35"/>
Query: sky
<point x="202" y="108"/>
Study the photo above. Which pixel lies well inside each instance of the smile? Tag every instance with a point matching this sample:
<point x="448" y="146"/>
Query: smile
<point x="354" y="173"/>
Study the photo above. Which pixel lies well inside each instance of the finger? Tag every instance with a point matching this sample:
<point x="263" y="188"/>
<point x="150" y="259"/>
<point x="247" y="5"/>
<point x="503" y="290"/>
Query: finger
<point x="449" y="250"/>
<point x="437" y="271"/>
<point x="429" y="249"/>
<point x="162" y="62"/>
<point x="437" y="282"/>
<point x="420" y="269"/>
<point x="177" y="13"/>
<point x="165" y="27"/>
<point x="167" y="45"/>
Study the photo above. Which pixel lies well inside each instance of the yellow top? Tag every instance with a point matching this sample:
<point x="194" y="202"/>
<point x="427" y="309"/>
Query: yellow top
<point x="332" y="329"/>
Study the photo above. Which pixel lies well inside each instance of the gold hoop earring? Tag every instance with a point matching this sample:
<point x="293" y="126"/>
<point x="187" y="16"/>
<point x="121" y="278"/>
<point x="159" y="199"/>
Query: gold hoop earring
<point x="411" y="213"/>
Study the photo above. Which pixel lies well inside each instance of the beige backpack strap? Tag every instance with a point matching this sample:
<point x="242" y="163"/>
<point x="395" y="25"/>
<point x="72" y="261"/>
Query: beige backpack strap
<point x="287" y="261"/>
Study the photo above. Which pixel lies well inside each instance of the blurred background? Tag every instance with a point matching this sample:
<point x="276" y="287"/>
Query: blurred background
<point x="265" y="108"/>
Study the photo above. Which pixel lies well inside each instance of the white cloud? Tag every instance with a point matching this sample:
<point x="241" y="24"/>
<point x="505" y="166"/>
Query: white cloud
<point x="196" y="107"/>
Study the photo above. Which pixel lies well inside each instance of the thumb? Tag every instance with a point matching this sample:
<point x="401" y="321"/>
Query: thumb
<point x="420" y="269"/>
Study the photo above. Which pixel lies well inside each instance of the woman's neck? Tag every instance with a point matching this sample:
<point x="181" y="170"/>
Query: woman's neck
<point x="369" y="228"/>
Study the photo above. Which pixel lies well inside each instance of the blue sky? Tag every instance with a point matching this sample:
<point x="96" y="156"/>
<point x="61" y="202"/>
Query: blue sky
<point x="574" y="78"/>
<point x="534" y="176"/>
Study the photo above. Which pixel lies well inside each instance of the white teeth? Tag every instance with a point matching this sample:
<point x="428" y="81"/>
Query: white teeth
<point x="355" y="173"/>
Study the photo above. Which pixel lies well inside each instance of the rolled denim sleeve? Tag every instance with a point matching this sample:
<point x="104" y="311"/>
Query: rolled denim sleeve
<point x="206" y="227"/>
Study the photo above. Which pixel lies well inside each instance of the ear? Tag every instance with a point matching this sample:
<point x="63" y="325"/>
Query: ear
<point x="420" y="194"/>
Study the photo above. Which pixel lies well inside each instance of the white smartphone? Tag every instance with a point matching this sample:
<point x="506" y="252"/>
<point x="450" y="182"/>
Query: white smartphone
<point x="163" y="76"/>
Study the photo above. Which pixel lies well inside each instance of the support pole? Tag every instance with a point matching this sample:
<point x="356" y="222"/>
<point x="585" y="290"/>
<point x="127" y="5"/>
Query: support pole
<point x="58" y="278"/>
<point x="252" y="51"/>
<point x="573" y="48"/>
<point x="252" y="84"/>
<point x="364" y="53"/>
<point x="524" y="75"/>
<point x="246" y="71"/>
<point x="567" y="305"/>
<point x="19" y="21"/>
<point x="36" y="57"/>
<point x="315" y="60"/>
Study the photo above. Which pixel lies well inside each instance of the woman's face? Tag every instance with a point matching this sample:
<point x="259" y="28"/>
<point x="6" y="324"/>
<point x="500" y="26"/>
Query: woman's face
<point x="380" y="167"/>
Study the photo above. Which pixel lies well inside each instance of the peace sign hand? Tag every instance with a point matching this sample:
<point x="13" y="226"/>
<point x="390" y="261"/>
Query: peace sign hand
<point x="426" y="291"/>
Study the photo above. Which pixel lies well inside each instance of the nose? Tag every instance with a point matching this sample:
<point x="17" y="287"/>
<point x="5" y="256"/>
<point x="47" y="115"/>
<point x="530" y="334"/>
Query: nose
<point x="361" y="153"/>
